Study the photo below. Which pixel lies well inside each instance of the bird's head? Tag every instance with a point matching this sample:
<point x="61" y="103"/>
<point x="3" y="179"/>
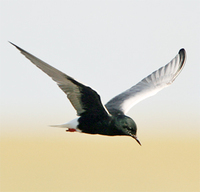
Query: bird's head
<point x="127" y="126"/>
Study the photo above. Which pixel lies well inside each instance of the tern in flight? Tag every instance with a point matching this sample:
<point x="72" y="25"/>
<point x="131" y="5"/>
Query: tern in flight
<point x="111" y="119"/>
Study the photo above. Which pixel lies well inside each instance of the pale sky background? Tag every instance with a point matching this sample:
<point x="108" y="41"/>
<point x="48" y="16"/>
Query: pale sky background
<point x="108" y="45"/>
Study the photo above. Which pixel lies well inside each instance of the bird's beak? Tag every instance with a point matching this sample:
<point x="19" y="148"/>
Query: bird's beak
<point x="136" y="139"/>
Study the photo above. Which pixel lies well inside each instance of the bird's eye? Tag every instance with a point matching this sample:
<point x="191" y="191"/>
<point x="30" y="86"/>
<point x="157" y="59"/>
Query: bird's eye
<point x="126" y="127"/>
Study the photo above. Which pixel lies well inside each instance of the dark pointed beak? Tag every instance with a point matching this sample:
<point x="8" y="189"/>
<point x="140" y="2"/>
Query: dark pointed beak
<point x="136" y="139"/>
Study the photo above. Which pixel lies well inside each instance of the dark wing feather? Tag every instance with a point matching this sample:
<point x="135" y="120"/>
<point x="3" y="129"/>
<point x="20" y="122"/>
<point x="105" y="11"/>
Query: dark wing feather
<point x="83" y="98"/>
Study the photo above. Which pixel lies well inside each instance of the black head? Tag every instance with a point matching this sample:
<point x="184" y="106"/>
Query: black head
<point x="127" y="126"/>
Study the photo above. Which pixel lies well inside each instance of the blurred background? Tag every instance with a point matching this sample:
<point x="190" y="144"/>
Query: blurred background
<point x="110" y="46"/>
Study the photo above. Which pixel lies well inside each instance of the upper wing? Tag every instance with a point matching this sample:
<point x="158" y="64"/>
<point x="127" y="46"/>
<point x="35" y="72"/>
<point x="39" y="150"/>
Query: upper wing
<point x="83" y="98"/>
<point x="149" y="86"/>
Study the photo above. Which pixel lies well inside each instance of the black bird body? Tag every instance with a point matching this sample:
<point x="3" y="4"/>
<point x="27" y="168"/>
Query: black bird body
<point x="111" y="119"/>
<point x="110" y="125"/>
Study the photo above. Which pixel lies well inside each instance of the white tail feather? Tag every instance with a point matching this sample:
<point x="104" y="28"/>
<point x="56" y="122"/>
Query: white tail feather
<point x="71" y="124"/>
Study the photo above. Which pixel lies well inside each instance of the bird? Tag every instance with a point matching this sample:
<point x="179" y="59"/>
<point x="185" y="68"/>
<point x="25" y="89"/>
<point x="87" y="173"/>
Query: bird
<point x="109" y="119"/>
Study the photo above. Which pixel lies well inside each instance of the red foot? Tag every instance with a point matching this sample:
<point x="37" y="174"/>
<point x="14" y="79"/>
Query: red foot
<point x="71" y="130"/>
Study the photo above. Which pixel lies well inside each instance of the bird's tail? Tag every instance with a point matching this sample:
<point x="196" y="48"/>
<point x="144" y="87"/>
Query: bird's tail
<point x="61" y="126"/>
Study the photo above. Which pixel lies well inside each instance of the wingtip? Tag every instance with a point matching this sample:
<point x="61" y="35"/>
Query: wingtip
<point x="182" y="51"/>
<point x="11" y="43"/>
<point x="20" y="49"/>
<point x="182" y="57"/>
<point x="182" y="54"/>
<point x="14" y="45"/>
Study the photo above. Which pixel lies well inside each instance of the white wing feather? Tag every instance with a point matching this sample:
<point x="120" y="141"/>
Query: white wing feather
<point x="149" y="86"/>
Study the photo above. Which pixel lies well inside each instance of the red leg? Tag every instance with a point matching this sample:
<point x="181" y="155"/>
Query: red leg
<point x="71" y="130"/>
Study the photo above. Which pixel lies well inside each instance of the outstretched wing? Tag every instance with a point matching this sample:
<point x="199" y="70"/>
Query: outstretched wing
<point x="149" y="86"/>
<point x="83" y="98"/>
